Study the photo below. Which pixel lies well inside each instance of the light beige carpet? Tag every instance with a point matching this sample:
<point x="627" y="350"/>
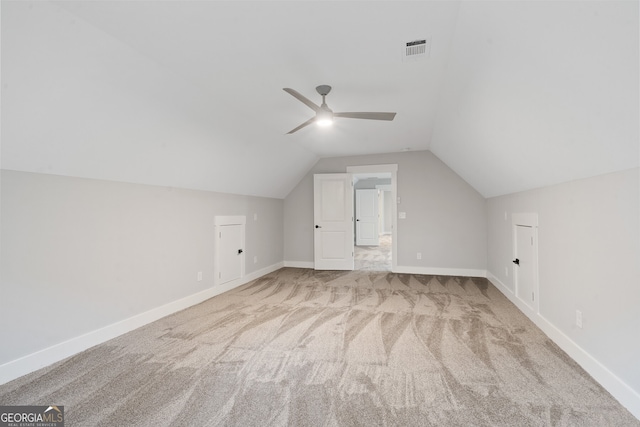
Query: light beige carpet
<point x="305" y="348"/>
<point x="374" y="258"/>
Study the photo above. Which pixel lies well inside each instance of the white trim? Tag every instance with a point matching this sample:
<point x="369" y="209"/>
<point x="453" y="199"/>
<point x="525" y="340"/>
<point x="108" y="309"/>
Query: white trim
<point x="627" y="396"/>
<point x="299" y="264"/>
<point x="437" y="271"/>
<point x="45" y="357"/>
<point x="433" y="271"/>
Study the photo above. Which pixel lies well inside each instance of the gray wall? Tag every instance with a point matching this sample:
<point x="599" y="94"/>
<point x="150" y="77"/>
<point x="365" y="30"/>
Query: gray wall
<point x="589" y="260"/>
<point x="81" y="254"/>
<point x="446" y="217"/>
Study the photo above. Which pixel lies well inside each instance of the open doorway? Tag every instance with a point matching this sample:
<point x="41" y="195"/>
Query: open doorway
<point x="373" y="220"/>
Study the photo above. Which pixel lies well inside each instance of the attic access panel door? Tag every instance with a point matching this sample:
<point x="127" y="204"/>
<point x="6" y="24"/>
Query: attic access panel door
<point x="333" y="221"/>
<point x="525" y="259"/>
<point x="229" y="249"/>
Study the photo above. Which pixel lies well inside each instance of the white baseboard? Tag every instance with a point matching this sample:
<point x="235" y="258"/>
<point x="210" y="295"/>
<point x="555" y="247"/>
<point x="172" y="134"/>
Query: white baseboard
<point x="436" y="271"/>
<point x="627" y="396"/>
<point x="299" y="264"/>
<point x="45" y="357"/>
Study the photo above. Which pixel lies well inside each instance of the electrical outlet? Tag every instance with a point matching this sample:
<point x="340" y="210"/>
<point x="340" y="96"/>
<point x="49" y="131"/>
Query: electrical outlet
<point x="255" y="259"/>
<point x="419" y="255"/>
<point x="579" y="319"/>
<point x="199" y="276"/>
<point x="402" y="215"/>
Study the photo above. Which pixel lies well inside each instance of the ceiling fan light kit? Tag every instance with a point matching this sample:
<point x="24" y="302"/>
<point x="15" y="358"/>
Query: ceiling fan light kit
<point x="325" y="115"/>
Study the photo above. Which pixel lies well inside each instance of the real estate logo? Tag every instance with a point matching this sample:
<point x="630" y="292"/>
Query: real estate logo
<point x="32" y="416"/>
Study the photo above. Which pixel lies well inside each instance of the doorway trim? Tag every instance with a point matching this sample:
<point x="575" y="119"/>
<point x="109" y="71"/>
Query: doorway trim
<point x="526" y="220"/>
<point x="393" y="170"/>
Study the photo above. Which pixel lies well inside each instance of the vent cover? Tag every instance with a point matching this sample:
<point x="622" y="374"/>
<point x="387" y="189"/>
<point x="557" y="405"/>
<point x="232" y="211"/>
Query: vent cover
<point x="416" y="50"/>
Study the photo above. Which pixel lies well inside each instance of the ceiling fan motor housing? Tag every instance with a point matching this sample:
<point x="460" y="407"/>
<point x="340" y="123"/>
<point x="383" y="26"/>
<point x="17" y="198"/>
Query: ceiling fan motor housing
<point x="323" y="89"/>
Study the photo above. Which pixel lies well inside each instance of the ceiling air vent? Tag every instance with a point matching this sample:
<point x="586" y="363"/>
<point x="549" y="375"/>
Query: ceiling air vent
<point x="416" y="50"/>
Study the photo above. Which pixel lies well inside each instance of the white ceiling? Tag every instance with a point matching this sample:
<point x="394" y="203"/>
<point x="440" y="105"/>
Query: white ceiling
<point x="514" y="95"/>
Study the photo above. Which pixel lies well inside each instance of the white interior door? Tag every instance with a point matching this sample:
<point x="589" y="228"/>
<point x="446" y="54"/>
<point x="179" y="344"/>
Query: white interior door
<point x="524" y="264"/>
<point x="229" y="262"/>
<point x="367" y="206"/>
<point x="333" y="221"/>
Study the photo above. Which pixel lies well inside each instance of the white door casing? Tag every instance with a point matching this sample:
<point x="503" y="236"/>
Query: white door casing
<point x="333" y="221"/>
<point x="229" y="261"/>
<point x="367" y="221"/>
<point x="525" y="259"/>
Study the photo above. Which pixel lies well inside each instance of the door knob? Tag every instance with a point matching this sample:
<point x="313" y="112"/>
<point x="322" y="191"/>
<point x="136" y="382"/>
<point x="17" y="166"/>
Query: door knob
<point x="516" y="261"/>
<point x="240" y="251"/>
<point x="357" y="220"/>
<point x="317" y="226"/>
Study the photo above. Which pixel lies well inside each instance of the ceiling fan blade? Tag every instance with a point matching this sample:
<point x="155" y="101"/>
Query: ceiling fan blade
<point x="302" y="99"/>
<point x="368" y="116"/>
<point x="307" y="123"/>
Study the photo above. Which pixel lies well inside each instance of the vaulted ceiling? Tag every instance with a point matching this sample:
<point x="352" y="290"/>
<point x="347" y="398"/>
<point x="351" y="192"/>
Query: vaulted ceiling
<point x="513" y="95"/>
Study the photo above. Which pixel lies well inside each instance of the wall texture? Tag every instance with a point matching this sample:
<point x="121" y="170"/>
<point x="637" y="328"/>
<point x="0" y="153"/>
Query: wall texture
<point x="589" y="260"/>
<point x="81" y="254"/>
<point x="446" y="217"/>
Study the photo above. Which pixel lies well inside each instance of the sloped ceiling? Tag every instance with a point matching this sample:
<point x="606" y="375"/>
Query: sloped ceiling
<point x="189" y="93"/>
<point x="539" y="93"/>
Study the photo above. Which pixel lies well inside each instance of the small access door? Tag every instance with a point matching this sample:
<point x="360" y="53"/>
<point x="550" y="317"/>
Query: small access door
<point x="333" y="221"/>
<point x="229" y="249"/>
<point x="524" y="264"/>
<point x="367" y="205"/>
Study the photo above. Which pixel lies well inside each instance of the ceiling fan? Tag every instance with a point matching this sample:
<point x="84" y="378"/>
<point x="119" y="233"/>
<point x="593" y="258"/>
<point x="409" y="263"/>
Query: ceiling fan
<point x="324" y="115"/>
